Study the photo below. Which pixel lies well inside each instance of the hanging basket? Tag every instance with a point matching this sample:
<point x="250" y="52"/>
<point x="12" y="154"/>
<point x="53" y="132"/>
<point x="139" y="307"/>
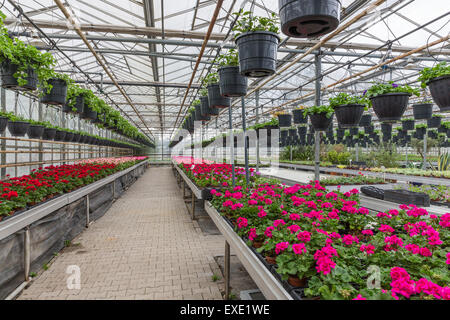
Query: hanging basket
<point x="35" y="131"/>
<point x="76" y="137"/>
<point x="301" y="131"/>
<point x="440" y="91"/>
<point x="49" y="134"/>
<point x="349" y="115"/>
<point x="292" y="132"/>
<point x="284" y="120"/>
<point x="215" y="99"/>
<point x="198" y="113"/>
<point x="366" y="120"/>
<point x="420" y="131"/>
<point x="60" y="135"/>
<point x="320" y="122"/>
<point x="3" y="124"/>
<point x="408" y="125"/>
<point x="422" y="111"/>
<point x="89" y="114"/>
<point x="206" y="109"/>
<point x="390" y="107"/>
<point x="353" y="131"/>
<point x="369" y="129"/>
<point x="299" y="117"/>
<point x="79" y="104"/>
<point x="434" y="122"/>
<point x="386" y="128"/>
<point x="257" y="53"/>
<point x="58" y="93"/>
<point x="309" y="18"/>
<point x="232" y="83"/>
<point x="8" y="70"/>
<point x="18" y="128"/>
<point x="68" y="137"/>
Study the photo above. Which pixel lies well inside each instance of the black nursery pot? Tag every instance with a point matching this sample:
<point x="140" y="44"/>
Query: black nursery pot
<point x="35" y="131"/>
<point x="369" y="129"/>
<point x="320" y="121"/>
<point x="440" y="91"/>
<point x="349" y="115"/>
<point x="420" y="131"/>
<point x="76" y="137"/>
<point x="198" y="114"/>
<point x="434" y="122"/>
<point x="301" y="131"/>
<point x="18" y="128"/>
<point x="309" y="18"/>
<point x="8" y="70"/>
<point x="89" y="114"/>
<point x="292" y="132"/>
<point x="215" y="99"/>
<point x="283" y="134"/>
<point x="58" y="93"/>
<point x="422" y="111"/>
<point x="366" y="120"/>
<point x="79" y="104"/>
<point x="299" y="116"/>
<point x="60" y="135"/>
<point x="408" y="124"/>
<point x="284" y="120"/>
<point x="390" y="107"/>
<point x="3" y="124"/>
<point x="68" y="137"/>
<point x="232" y="83"/>
<point x="386" y="128"/>
<point x="353" y="131"/>
<point x="257" y="53"/>
<point x="49" y="134"/>
<point x="206" y="109"/>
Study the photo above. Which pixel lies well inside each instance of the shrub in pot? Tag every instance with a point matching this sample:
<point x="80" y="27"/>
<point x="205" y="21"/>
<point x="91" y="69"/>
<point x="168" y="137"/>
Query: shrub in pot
<point x="434" y="121"/>
<point x="408" y="124"/>
<point x="17" y="126"/>
<point x="56" y="92"/>
<point x="231" y="82"/>
<point x="348" y="109"/>
<point x="321" y="116"/>
<point x="284" y="119"/>
<point x="389" y="100"/>
<point x="309" y="18"/>
<point x="75" y="98"/>
<point x="299" y="116"/>
<point x="437" y="79"/>
<point x="257" y="42"/>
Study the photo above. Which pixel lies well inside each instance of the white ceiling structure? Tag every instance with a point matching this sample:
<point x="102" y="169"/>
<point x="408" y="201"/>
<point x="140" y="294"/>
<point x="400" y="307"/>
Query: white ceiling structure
<point x="150" y="48"/>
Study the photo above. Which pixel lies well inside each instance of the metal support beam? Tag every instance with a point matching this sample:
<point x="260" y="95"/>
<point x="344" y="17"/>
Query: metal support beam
<point x="317" y="62"/>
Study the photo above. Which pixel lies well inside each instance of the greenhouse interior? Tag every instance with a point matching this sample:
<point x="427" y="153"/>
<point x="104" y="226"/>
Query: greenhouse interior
<point x="225" y="150"/>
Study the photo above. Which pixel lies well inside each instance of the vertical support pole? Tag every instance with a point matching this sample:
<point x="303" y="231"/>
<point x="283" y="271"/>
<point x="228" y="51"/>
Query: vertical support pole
<point x="424" y="164"/>
<point x="3" y="143"/>
<point x="15" y="141"/>
<point x="193" y="204"/>
<point x="230" y="120"/>
<point x="247" y="173"/>
<point x="87" y="210"/>
<point x="257" y="121"/>
<point x="27" y="253"/>
<point x="114" y="189"/>
<point x="357" y="151"/>
<point x="41" y="145"/>
<point x="318" y="64"/>
<point x="227" y="270"/>
<point x="406" y="157"/>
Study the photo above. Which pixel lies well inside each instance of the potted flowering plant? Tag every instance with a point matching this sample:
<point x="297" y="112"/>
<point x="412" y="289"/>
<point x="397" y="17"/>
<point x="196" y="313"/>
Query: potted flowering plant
<point x="309" y="18"/>
<point x="437" y="79"/>
<point x="321" y="116"/>
<point x="231" y="82"/>
<point x="349" y="109"/>
<point x="389" y="100"/>
<point x="257" y="41"/>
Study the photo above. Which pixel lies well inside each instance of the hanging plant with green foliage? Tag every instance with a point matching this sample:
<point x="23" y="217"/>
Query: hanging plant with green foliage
<point x="439" y="70"/>
<point x="246" y="22"/>
<point x="229" y="59"/>
<point x="345" y="98"/>
<point x="390" y="87"/>
<point x="323" y="109"/>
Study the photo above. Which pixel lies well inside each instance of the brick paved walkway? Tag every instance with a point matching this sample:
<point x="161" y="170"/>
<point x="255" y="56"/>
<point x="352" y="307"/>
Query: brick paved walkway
<point x="144" y="247"/>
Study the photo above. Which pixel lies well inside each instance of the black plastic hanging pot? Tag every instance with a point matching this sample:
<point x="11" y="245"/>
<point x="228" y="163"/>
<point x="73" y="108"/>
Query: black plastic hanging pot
<point x="422" y="111"/>
<point x="408" y="124"/>
<point x="206" y="109"/>
<point x="369" y="129"/>
<point x="440" y="91"/>
<point x="353" y="131"/>
<point x="284" y="120"/>
<point x="35" y="131"/>
<point x="68" y="137"/>
<point x="79" y="104"/>
<point x="432" y="134"/>
<point x="57" y="94"/>
<point x="340" y="133"/>
<point x="88" y="113"/>
<point x="309" y="18"/>
<point x="198" y="114"/>
<point x="216" y="100"/>
<point x="386" y="128"/>
<point x="49" y="134"/>
<point x="366" y="120"/>
<point x="60" y="135"/>
<point x="232" y="83"/>
<point x="301" y="131"/>
<point x="257" y="53"/>
<point x="420" y="131"/>
<point x="349" y="115"/>
<point x="292" y="132"/>
<point x="3" y="124"/>
<point x="320" y="122"/>
<point x="434" y="122"/>
<point x="299" y="117"/>
<point x="8" y="70"/>
<point x="18" y="128"/>
<point x="76" y="137"/>
<point x="389" y="107"/>
<point x="448" y="133"/>
<point x="284" y="134"/>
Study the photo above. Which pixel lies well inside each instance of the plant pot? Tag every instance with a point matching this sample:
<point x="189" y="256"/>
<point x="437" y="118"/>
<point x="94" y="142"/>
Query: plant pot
<point x="296" y="282"/>
<point x="284" y="120"/>
<point x="8" y="70"/>
<point x="408" y="125"/>
<point x="284" y="134"/>
<point x="232" y="83"/>
<point x="432" y="134"/>
<point x="366" y="120"/>
<point x="299" y="117"/>
<point x="60" y="135"/>
<point x="198" y="113"/>
<point x="320" y="122"/>
<point x="35" y="131"/>
<point x="206" y="109"/>
<point x="434" y="122"/>
<point x="89" y="114"/>
<point x="79" y="104"/>
<point x="309" y="18"/>
<point x="422" y="111"/>
<point x="440" y="91"/>
<point x="390" y="107"/>
<point x="215" y="99"/>
<point x="49" y="134"/>
<point x="271" y="260"/>
<point x="257" y="53"/>
<point x="3" y="124"/>
<point x="58" y="93"/>
<point x="386" y="128"/>
<point x="369" y="129"/>
<point x="420" y="131"/>
<point x="68" y="137"/>
<point x="353" y="131"/>
<point x="76" y="137"/>
<point x="18" y="128"/>
<point x="301" y="131"/>
<point x="292" y="132"/>
<point x="349" y="115"/>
